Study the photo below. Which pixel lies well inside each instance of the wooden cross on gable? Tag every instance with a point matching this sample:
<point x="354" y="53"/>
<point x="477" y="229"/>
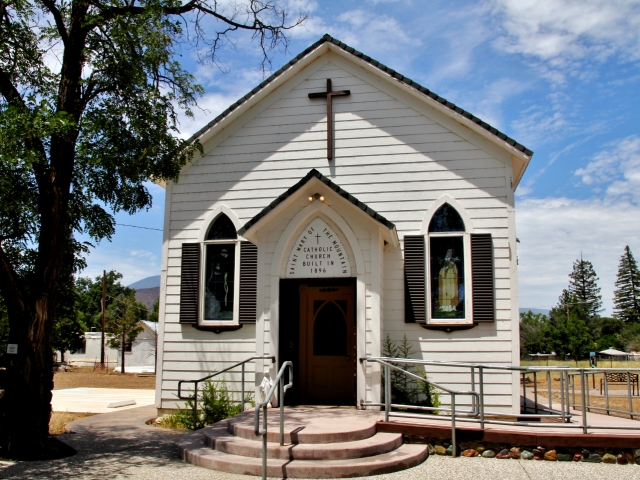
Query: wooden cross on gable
<point x="329" y="95"/>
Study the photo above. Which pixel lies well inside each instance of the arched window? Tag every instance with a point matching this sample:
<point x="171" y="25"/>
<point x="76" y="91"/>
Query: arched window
<point x="446" y="265"/>
<point x="220" y="272"/>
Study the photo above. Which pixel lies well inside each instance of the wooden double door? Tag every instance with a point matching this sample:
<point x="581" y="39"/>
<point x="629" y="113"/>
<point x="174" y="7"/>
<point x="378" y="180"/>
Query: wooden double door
<point x="327" y="345"/>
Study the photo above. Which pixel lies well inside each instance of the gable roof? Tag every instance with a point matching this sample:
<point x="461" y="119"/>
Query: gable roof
<point x="329" y="39"/>
<point x="316" y="174"/>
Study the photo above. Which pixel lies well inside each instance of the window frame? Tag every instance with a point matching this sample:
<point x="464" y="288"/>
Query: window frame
<point x="236" y="275"/>
<point x="468" y="294"/>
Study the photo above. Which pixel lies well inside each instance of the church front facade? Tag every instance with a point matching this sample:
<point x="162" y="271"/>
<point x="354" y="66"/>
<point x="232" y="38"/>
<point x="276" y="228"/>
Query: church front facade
<point x="335" y="205"/>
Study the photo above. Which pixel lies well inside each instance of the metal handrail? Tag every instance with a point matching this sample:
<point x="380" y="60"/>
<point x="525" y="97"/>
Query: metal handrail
<point x="567" y="379"/>
<point x="278" y="382"/>
<point x="194" y="397"/>
<point x="385" y="362"/>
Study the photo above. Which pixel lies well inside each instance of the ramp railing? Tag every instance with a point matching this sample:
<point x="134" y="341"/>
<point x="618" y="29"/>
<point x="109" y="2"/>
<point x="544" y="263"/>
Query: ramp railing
<point x="530" y="415"/>
<point x="194" y="396"/>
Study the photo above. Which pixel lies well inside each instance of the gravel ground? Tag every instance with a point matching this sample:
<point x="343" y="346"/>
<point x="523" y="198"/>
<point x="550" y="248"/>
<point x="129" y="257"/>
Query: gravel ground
<point x="118" y="445"/>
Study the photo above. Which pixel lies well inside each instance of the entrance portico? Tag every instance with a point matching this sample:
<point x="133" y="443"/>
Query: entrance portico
<point x="318" y="237"/>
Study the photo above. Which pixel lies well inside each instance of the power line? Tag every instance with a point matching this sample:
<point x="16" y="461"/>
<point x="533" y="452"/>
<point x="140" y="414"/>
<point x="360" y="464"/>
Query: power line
<point x="136" y="226"/>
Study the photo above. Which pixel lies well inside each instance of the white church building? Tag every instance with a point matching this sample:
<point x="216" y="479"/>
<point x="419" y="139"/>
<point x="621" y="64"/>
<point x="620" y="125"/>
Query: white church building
<point x="337" y="203"/>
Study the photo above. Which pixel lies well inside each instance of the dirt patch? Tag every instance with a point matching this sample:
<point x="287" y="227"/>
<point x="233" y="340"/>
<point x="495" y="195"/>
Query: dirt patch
<point x="59" y="421"/>
<point x="86" y="377"/>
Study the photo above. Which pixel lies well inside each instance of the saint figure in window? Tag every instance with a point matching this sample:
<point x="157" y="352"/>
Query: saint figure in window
<point x="448" y="284"/>
<point x="219" y="282"/>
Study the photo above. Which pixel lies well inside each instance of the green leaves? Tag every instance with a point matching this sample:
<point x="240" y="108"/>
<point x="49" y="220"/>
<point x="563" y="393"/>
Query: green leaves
<point x="626" y="299"/>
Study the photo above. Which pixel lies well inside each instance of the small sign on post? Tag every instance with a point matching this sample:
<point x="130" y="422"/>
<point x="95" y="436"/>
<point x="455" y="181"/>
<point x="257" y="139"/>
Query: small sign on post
<point x="12" y="348"/>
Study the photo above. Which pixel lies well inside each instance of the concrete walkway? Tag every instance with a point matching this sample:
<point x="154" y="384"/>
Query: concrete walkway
<point x="119" y="445"/>
<point x="96" y="400"/>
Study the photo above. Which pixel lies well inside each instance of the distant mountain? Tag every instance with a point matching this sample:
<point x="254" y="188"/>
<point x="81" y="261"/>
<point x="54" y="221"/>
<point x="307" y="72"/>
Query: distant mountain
<point x="535" y="310"/>
<point x="148" y="296"/>
<point x="149" y="282"/>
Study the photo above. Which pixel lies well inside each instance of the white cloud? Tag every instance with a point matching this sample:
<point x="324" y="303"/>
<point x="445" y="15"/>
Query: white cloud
<point x="564" y="34"/>
<point x="144" y="254"/>
<point x="619" y="166"/>
<point x="363" y="30"/>
<point x="554" y="232"/>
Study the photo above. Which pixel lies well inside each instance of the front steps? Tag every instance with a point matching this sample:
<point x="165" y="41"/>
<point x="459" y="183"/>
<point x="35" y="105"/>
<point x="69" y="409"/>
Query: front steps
<point x="319" y="443"/>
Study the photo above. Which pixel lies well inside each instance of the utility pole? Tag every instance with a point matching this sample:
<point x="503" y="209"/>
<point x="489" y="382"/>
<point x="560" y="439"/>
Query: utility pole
<point x="104" y="311"/>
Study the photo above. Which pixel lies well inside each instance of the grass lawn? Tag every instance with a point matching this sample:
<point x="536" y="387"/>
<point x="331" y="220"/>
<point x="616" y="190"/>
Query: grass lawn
<point x="59" y="420"/>
<point x="87" y="377"/>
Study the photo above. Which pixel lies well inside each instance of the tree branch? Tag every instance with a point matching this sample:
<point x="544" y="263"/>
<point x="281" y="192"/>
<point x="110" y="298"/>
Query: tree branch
<point x="57" y="16"/>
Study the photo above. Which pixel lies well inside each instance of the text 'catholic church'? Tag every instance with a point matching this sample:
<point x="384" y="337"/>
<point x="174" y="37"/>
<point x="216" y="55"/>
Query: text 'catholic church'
<point x="335" y="204"/>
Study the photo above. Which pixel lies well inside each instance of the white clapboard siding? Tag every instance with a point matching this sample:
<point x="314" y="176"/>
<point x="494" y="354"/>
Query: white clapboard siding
<point x="395" y="157"/>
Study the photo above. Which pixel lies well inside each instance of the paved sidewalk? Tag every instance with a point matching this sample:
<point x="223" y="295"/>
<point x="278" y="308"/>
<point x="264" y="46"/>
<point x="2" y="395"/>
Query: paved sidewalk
<point x="96" y="400"/>
<point x="119" y="445"/>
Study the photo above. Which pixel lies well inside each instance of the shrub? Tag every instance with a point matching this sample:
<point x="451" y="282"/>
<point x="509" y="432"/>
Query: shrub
<point x="215" y="404"/>
<point x="404" y="389"/>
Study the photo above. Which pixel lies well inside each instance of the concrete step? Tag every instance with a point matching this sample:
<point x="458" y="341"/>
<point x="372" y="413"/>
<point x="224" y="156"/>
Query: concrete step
<point x="304" y="425"/>
<point x="218" y="438"/>
<point x="192" y="449"/>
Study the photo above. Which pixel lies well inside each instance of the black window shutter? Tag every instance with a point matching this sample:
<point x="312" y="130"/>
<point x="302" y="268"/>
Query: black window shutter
<point x="189" y="283"/>
<point x="482" y="277"/>
<point x="414" y="279"/>
<point x="248" y="282"/>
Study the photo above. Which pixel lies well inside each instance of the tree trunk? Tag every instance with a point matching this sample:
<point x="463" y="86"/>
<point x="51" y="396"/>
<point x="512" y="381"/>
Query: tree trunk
<point x="62" y="355"/>
<point x="26" y="406"/>
<point x="123" y="347"/>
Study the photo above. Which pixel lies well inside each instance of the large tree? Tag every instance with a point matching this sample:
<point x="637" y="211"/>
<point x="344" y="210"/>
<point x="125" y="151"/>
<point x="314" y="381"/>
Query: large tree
<point x="534" y="329"/>
<point x="626" y="297"/>
<point x="568" y="331"/>
<point x="583" y="286"/>
<point x="123" y="324"/>
<point x="90" y="92"/>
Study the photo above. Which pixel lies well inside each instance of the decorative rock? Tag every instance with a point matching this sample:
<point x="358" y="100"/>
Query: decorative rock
<point x="608" y="458"/>
<point x="622" y="459"/>
<point x="481" y="447"/>
<point x="504" y="454"/>
<point x="636" y="453"/>
<point x="450" y="450"/>
<point x="432" y="449"/>
<point x="551" y="456"/>
<point x="637" y="460"/>
<point x="440" y="450"/>
<point x="577" y="457"/>
<point x="585" y="453"/>
<point x="526" y="455"/>
<point x="489" y="454"/>
<point x="538" y="453"/>
<point x="629" y="456"/>
<point x="470" y="452"/>
<point x="515" y="453"/>
<point x="564" y="457"/>
<point x="593" y="458"/>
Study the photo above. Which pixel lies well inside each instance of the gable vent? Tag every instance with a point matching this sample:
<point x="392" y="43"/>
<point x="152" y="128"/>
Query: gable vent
<point x="248" y="282"/>
<point x="189" y="289"/>
<point x="414" y="279"/>
<point x="482" y="277"/>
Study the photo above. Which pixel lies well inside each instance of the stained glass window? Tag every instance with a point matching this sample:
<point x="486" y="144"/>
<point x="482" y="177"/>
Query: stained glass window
<point x="446" y="256"/>
<point x="222" y="229"/>
<point x="446" y="219"/>
<point x="219" y="271"/>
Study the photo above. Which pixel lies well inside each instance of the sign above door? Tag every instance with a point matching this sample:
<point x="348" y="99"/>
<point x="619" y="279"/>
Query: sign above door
<point x="318" y="253"/>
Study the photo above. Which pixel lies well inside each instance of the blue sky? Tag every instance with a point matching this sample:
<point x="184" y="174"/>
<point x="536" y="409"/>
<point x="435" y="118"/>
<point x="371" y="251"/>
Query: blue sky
<point x="560" y="76"/>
